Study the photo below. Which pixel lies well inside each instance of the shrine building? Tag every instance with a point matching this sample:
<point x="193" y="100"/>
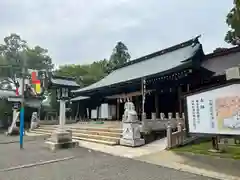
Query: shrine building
<point x="155" y="83"/>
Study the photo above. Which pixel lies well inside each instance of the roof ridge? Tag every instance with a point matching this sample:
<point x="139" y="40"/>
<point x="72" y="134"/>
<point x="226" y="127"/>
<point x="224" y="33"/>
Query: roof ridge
<point x="227" y="51"/>
<point x="161" y="52"/>
<point x="63" y="77"/>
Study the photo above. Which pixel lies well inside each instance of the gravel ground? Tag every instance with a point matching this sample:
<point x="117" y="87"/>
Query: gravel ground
<point x="4" y="139"/>
<point x="86" y="165"/>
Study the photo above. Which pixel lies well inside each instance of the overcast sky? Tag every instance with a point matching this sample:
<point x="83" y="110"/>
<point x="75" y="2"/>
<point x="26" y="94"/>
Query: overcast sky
<point x="82" y="31"/>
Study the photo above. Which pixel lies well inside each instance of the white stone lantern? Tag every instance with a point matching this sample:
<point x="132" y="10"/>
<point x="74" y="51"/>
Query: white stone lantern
<point x="62" y="137"/>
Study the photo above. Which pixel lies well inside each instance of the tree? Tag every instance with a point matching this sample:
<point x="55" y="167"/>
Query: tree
<point x="38" y="58"/>
<point x="233" y="21"/>
<point x="11" y="58"/>
<point x="119" y="56"/>
<point x="85" y="74"/>
<point x="12" y="47"/>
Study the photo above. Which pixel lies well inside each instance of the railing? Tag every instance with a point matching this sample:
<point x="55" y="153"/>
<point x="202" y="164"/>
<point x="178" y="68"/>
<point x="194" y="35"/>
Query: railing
<point x="56" y="122"/>
<point x="158" y="124"/>
<point x="175" y="139"/>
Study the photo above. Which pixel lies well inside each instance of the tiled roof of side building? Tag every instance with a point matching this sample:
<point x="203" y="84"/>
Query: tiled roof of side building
<point x="151" y="64"/>
<point x="64" y="81"/>
<point x="218" y="62"/>
<point x="224" y="52"/>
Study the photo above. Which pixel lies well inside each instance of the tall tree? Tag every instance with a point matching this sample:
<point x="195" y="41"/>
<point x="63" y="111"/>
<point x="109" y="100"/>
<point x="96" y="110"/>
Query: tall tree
<point x="119" y="56"/>
<point x="39" y="59"/>
<point x="233" y="21"/>
<point x="85" y="74"/>
<point x="12" y="47"/>
<point x="11" y="59"/>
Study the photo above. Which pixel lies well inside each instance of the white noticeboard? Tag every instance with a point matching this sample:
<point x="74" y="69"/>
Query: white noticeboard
<point x="215" y="111"/>
<point x="104" y="111"/>
<point x="93" y="114"/>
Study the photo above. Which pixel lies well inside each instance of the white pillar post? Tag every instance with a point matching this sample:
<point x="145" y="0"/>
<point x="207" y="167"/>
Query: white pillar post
<point x="62" y="114"/>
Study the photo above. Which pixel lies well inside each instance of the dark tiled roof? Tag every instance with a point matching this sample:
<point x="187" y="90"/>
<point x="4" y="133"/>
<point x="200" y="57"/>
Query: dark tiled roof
<point x="151" y="64"/>
<point x="219" y="62"/>
<point x="79" y="98"/>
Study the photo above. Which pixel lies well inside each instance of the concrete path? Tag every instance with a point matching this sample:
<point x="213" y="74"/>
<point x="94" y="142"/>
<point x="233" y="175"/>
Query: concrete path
<point x="128" y="152"/>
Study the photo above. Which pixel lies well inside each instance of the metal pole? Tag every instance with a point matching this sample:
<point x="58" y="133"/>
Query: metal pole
<point x="22" y="102"/>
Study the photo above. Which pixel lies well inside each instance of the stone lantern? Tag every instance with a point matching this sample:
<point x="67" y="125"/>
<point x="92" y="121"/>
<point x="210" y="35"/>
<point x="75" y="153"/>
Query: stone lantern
<point x="62" y="137"/>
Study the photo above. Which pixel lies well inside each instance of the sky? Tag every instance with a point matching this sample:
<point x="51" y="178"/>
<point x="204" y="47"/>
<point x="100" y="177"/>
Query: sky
<point x="83" y="31"/>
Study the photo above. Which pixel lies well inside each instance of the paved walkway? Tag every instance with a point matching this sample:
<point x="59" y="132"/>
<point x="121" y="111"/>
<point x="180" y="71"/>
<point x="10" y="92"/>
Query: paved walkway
<point x="35" y="162"/>
<point x="128" y="152"/>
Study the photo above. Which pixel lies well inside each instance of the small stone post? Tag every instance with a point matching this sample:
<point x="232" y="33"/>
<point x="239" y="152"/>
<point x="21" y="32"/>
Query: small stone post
<point x="62" y="118"/>
<point x="183" y="116"/>
<point x="144" y="122"/>
<point x="177" y="116"/>
<point x="154" y="116"/>
<point x="181" y="135"/>
<point x="169" y="115"/>
<point x="162" y="116"/>
<point x="34" y="121"/>
<point x="169" y="136"/>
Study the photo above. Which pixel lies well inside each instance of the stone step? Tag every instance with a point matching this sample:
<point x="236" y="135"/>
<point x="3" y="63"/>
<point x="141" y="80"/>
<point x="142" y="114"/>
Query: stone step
<point x="100" y="133"/>
<point x="104" y="138"/>
<point x="114" y="130"/>
<point x="40" y="132"/>
<point x="96" y="129"/>
<point x="44" y="130"/>
<point x="111" y="143"/>
<point x="47" y="127"/>
<point x="85" y="135"/>
<point x="81" y="131"/>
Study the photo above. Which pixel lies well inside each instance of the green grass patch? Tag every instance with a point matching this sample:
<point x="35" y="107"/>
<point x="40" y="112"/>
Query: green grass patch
<point x="233" y="151"/>
<point x="98" y="122"/>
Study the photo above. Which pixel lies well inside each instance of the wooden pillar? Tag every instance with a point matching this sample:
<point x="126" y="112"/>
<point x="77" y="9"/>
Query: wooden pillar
<point x="188" y="87"/>
<point x="156" y="105"/>
<point x="143" y="95"/>
<point x="137" y="100"/>
<point x="118" y="109"/>
<point x="180" y="98"/>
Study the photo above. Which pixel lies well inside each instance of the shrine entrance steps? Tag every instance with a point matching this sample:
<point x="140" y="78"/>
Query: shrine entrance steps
<point x="109" y="135"/>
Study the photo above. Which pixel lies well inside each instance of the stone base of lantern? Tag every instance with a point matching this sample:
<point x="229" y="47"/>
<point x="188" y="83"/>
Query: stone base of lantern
<point x="131" y="135"/>
<point x="132" y="142"/>
<point x="61" y="139"/>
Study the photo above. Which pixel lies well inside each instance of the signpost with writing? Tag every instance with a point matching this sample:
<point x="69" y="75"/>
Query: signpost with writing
<point x="215" y="111"/>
